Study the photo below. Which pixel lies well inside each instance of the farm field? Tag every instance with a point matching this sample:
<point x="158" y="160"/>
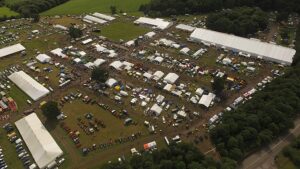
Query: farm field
<point x="123" y="30"/>
<point x="4" y="11"/>
<point x="88" y="6"/>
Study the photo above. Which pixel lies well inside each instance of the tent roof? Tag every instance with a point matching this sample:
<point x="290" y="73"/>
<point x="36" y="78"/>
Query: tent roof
<point x="43" y="58"/>
<point x="157" y="22"/>
<point x="185" y="27"/>
<point x="40" y="143"/>
<point x="156" y="109"/>
<point x="30" y="86"/>
<point x="267" y="51"/>
<point x="207" y="99"/>
<point x="94" y="19"/>
<point x="171" y="78"/>
<point x="103" y="16"/>
<point x="9" y="50"/>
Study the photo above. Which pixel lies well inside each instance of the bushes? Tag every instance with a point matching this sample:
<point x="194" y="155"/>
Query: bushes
<point x="293" y="152"/>
<point x="176" y="156"/>
<point x="181" y="7"/>
<point x="238" y="21"/>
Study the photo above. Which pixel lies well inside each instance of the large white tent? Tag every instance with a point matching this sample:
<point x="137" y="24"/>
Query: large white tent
<point x="30" y="86"/>
<point x="267" y="51"/>
<point x="40" y="143"/>
<point x="157" y="23"/>
<point x="207" y="99"/>
<point x="43" y="58"/>
<point x="94" y="19"/>
<point x="171" y="78"/>
<point x="103" y="16"/>
<point x="9" y="50"/>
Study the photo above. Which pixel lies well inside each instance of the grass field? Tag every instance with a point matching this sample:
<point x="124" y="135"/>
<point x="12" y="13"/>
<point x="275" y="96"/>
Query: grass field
<point x="284" y="163"/>
<point x="123" y="30"/>
<point x="114" y="127"/>
<point x="6" y="11"/>
<point x="87" y="6"/>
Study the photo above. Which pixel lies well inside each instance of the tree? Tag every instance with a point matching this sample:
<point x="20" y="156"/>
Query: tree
<point x="75" y="32"/>
<point x="36" y="18"/>
<point x="218" y="85"/>
<point x="51" y="110"/>
<point x="113" y="9"/>
<point x="99" y="75"/>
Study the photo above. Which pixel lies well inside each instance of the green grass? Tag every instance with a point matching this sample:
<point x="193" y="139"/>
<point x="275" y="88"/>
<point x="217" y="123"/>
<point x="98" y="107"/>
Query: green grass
<point x="123" y="30"/>
<point x="19" y="96"/>
<point x="284" y="163"/>
<point x="114" y="126"/>
<point x="87" y="6"/>
<point x="4" y="11"/>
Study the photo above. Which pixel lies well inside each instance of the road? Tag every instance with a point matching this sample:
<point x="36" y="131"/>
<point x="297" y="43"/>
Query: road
<point x="264" y="159"/>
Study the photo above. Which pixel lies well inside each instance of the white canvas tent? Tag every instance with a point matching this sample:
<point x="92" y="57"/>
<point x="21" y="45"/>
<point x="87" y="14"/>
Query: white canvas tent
<point x="158" y="75"/>
<point x="185" y="27"/>
<point x="28" y="85"/>
<point x="90" y="18"/>
<point x="157" y="23"/>
<point x="40" y="143"/>
<point x="207" y="99"/>
<point x="43" y="58"/>
<point x="6" y="51"/>
<point x="171" y="78"/>
<point x="58" y="52"/>
<point x="156" y="109"/>
<point x="267" y="51"/>
<point x="103" y="16"/>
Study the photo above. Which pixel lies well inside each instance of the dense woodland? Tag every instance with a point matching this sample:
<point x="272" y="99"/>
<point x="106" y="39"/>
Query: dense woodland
<point x="238" y="21"/>
<point x="29" y="8"/>
<point x="179" y="156"/>
<point x="180" y="7"/>
<point x="269" y="114"/>
<point x="293" y="152"/>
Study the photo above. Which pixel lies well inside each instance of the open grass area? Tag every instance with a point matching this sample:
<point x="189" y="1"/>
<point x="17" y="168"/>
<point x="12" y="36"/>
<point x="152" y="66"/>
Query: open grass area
<point x="284" y="163"/>
<point x="4" y="11"/>
<point x="123" y="30"/>
<point x="19" y="96"/>
<point x="87" y="6"/>
<point x="114" y="127"/>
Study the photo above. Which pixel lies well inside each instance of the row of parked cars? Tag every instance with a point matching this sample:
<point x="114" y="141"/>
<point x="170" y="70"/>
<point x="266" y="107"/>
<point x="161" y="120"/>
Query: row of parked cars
<point x="3" y="164"/>
<point x="21" y="151"/>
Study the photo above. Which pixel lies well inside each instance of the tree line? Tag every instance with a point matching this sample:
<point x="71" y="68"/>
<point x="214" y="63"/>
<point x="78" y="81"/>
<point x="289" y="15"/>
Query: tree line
<point x="239" y="21"/>
<point x="293" y="152"/>
<point x="269" y="114"/>
<point x="30" y="8"/>
<point x="175" y="156"/>
<point x="180" y="7"/>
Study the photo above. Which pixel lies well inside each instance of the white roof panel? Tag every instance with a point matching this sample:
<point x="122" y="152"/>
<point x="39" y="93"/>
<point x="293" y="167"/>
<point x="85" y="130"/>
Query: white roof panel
<point x="40" y="143"/>
<point x="157" y="22"/>
<point x="30" y="86"/>
<point x="94" y="19"/>
<point x="103" y="16"/>
<point x="11" y="50"/>
<point x="267" y="51"/>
